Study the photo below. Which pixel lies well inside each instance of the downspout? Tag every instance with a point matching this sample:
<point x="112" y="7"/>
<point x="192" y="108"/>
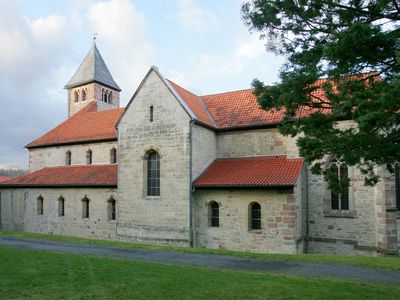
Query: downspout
<point x="191" y="227"/>
<point x="307" y="209"/>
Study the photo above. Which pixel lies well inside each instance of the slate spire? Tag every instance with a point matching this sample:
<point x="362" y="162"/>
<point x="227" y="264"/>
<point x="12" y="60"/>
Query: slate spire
<point x="92" y="69"/>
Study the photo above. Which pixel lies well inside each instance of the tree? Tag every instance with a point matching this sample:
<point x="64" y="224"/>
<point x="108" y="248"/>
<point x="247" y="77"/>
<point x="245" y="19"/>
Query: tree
<point x="354" y="45"/>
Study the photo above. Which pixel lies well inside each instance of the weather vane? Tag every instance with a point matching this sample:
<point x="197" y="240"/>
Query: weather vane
<point x="94" y="37"/>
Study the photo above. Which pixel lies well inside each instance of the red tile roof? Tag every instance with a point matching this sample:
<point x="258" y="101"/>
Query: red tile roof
<point x="4" y="178"/>
<point x="94" y="175"/>
<point x="239" y="109"/>
<point x="194" y="103"/>
<point x="86" y="125"/>
<point x="251" y="172"/>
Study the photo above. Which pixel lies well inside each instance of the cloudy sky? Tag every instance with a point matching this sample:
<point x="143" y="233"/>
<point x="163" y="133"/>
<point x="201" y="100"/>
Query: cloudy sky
<point x="202" y="45"/>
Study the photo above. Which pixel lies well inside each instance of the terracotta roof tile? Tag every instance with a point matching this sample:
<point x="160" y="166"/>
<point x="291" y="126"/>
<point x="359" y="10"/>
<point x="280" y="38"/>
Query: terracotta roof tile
<point x="239" y="109"/>
<point x="194" y="103"/>
<point x="94" y="175"/>
<point x="86" y="125"/>
<point x="4" y="178"/>
<point x="254" y="171"/>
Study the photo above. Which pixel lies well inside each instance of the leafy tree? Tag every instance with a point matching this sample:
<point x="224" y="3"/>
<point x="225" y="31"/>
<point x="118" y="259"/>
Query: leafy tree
<point x="354" y="45"/>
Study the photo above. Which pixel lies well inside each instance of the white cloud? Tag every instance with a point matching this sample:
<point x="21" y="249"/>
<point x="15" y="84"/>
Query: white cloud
<point x="122" y="38"/>
<point x="193" y="16"/>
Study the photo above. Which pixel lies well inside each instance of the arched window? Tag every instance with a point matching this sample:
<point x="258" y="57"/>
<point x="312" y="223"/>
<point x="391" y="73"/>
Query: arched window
<point x="68" y="158"/>
<point x="85" y="208"/>
<point x="255" y="216"/>
<point x="89" y="157"/>
<point x="113" y="156"/>
<point x="110" y="97"/>
<point x="112" y="209"/>
<point x="40" y="205"/>
<point x="83" y="94"/>
<point x="76" y="96"/>
<point x="153" y="174"/>
<point x="213" y="213"/>
<point x="103" y="96"/>
<point x="61" y="206"/>
<point x="340" y="201"/>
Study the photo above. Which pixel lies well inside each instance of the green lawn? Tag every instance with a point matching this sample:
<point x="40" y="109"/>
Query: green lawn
<point x="47" y="275"/>
<point x="391" y="263"/>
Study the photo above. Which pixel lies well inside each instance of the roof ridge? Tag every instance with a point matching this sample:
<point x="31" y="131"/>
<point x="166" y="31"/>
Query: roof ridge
<point x="228" y="92"/>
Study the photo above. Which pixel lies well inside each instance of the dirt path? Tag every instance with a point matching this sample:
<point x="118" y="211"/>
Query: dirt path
<point x="212" y="261"/>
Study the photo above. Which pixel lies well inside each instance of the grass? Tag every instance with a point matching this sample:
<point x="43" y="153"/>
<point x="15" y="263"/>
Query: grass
<point x="390" y="263"/>
<point x="46" y="275"/>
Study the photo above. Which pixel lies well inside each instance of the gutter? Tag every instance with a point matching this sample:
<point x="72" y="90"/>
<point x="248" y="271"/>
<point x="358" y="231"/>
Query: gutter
<point x="191" y="227"/>
<point x="307" y="210"/>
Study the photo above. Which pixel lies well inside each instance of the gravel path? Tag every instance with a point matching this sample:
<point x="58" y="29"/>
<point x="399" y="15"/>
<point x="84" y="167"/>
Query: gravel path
<point x="212" y="261"/>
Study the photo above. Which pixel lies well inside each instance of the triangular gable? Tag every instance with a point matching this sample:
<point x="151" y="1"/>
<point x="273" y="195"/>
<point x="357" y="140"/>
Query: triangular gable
<point x="170" y="88"/>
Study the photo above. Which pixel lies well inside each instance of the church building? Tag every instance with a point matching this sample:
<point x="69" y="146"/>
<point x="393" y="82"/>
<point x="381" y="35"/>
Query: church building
<point x="176" y="168"/>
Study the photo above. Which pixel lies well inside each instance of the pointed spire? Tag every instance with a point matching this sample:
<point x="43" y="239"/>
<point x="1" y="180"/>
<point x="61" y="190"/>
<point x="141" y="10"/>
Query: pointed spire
<point x="92" y="69"/>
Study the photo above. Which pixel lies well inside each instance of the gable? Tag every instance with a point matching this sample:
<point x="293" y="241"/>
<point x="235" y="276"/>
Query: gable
<point x="156" y="91"/>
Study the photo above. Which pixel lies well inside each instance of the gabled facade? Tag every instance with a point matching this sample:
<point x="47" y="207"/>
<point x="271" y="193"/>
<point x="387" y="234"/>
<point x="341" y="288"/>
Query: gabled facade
<point x="181" y="169"/>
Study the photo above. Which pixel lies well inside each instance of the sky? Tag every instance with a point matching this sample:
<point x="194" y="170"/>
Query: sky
<point x="202" y="45"/>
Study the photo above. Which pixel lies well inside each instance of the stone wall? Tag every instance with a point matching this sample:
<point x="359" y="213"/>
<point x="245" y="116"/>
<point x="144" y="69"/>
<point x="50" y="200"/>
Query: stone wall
<point x="204" y="145"/>
<point x="55" y="156"/>
<point x="278" y="213"/>
<point x="19" y="211"/>
<point x="345" y="232"/>
<point x="163" y="219"/>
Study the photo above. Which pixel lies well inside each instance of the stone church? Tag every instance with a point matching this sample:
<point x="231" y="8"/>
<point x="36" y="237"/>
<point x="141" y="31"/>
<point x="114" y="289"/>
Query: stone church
<point x="177" y="168"/>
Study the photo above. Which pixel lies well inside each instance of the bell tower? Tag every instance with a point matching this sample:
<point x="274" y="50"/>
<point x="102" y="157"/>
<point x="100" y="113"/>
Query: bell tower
<point x="92" y="82"/>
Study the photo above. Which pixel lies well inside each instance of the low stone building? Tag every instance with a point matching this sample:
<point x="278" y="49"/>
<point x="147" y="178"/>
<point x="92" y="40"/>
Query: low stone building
<point x="176" y="168"/>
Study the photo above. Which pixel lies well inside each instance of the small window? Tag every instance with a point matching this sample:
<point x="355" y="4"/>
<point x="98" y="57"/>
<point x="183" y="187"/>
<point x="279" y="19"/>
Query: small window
<point x="110" y="97"/>
<point x="112" y="209"/>
<point x="255" y="216"/>
<point x="340" y="201"/>
<point x="83" y="95"/>
<point x="61" y="206"/>
<point x="40" y="205"/>
<point x="397" y="182"/>
<point x="76" y="96"/>
<point x="113" y="156"/>
<point x="68" y="158"/>
<point x="151" y="113"/>
<point x="85" y="208"/>
<point x="214" y="214"/>
<point x="89" y="157"/>
<point x="153" y="174"/>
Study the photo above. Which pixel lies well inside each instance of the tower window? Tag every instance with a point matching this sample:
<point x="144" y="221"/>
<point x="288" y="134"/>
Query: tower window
<point x="255" y="216"/>
<point x="340" y="201"/>
<point x="214" y="214"/>
<point x="83" y="95"/>
<point x="89" y="157"/>
<point x="76" y="96"/>
<point x="85" y="208"/>
<point x="40" y="205"/>
<point x="103" y="96"/>
<point x="153" y="174"/>
<point x="112" y="209"/>
<point x="110" y="97"/>
<point x="61" y="206"/>
<point x="113" y="156"/>
<point x="151" y="113"/>
<point x="68" y="158"/>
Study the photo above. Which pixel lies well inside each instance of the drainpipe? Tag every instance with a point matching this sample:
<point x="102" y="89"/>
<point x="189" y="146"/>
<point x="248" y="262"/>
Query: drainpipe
<point x="191" y="227"/>
<point x="307" y="209"/>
